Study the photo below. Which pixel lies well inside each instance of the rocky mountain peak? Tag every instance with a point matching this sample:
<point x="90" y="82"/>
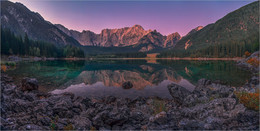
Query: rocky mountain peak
<point x="198" y="28"/>
<point x="176" y="34"/>
<point x="172" y="39"/>
<point x="86" y="31"/>
<point x="154" y="31"/>
<point x="153" y="38"/>
<point x="195" y="30"/>
<point x="20" y="5"/>
<point x="138" y="27"/>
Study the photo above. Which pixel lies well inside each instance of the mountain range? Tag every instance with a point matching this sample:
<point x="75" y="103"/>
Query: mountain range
<point x="122" y="37"/>
<point x="21" y="20"/>
<point x="242" y="24"/>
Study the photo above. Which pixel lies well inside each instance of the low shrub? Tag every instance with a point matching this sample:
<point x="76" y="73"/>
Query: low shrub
<point x="253" y="61"/>
<point x="3" y="68"/>
<point x="250" y="100"/>
<point x="247" y="54"/>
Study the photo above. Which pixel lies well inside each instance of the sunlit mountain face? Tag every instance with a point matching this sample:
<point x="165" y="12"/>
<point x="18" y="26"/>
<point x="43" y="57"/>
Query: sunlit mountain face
<point x="106" y="77"/>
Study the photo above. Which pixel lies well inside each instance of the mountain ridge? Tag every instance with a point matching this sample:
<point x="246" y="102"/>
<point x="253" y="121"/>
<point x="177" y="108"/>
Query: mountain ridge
<point x="236" y="26"/>
<point x="120" y="37"/>
<point x="20" y="20"/>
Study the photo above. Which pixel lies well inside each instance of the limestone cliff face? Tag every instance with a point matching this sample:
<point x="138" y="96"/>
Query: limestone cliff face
<point x="108" y="37"/>
<point x="86" y="38"/>
<point x="154" y="38"/>
<point x="172" y="39"/>
<point x="122" y="37"/>
<point x="128" y="36"/>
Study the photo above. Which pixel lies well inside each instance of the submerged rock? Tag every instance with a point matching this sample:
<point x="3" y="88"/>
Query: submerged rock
<point x="29" y="84"/>
<point x="127" y="85"/>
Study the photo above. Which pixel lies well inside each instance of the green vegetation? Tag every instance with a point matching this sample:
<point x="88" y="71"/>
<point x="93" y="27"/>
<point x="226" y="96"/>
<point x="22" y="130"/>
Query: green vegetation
<point x="8" y="63"/>
<point x="218" y="50"/>
<point x="16" y="45"/>
<point x="53" y="124"/>
<point x="5" y="65"/>
<point x="230" y="36"/>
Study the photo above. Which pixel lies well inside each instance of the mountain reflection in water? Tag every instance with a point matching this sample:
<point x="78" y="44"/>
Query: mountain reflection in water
<point x="104" y="78"/>
<point x="147" y="82"/>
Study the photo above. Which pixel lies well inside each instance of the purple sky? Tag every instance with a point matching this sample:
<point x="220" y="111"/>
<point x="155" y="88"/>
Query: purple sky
<point x="166" y="17"/>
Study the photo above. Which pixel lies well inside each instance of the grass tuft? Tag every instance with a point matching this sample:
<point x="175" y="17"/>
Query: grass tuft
<point x="159" y="106"/>
<point x="68" y="127"/>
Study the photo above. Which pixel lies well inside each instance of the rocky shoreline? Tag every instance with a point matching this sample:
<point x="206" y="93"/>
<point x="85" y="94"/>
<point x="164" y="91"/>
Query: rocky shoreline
<point x="209" y="106"/>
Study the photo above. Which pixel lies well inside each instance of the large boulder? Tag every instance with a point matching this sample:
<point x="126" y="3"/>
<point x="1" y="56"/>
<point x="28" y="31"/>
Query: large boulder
<point x="29" y="84"/>
<point x="178" y="92"/>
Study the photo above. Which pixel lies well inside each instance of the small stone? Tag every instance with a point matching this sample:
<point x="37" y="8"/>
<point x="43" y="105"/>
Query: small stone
<point x="160" y="118"/>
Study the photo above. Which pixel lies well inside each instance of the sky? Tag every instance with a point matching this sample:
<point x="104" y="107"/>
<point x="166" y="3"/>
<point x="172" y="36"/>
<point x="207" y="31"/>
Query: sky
<point x="164" y="16"/>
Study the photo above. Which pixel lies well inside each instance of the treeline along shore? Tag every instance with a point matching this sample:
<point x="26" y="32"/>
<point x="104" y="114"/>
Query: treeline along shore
<point x="12" y="44"/>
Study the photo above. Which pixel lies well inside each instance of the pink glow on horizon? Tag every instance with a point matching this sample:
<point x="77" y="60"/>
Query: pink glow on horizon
<point x="166" y="17"/>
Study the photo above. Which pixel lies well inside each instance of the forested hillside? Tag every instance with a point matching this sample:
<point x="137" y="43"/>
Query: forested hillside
<point x="230" y="36"/>
<point x="218" y="50"/>
<point x="20" y="20"/>
<point x="23" y="46"/>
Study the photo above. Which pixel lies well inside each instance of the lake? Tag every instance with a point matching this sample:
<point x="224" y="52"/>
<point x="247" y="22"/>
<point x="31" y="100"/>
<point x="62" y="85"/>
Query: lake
<point x="99" y="78"/>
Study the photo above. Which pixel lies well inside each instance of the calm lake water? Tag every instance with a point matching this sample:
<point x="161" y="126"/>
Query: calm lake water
<point x="99" y="78"/>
